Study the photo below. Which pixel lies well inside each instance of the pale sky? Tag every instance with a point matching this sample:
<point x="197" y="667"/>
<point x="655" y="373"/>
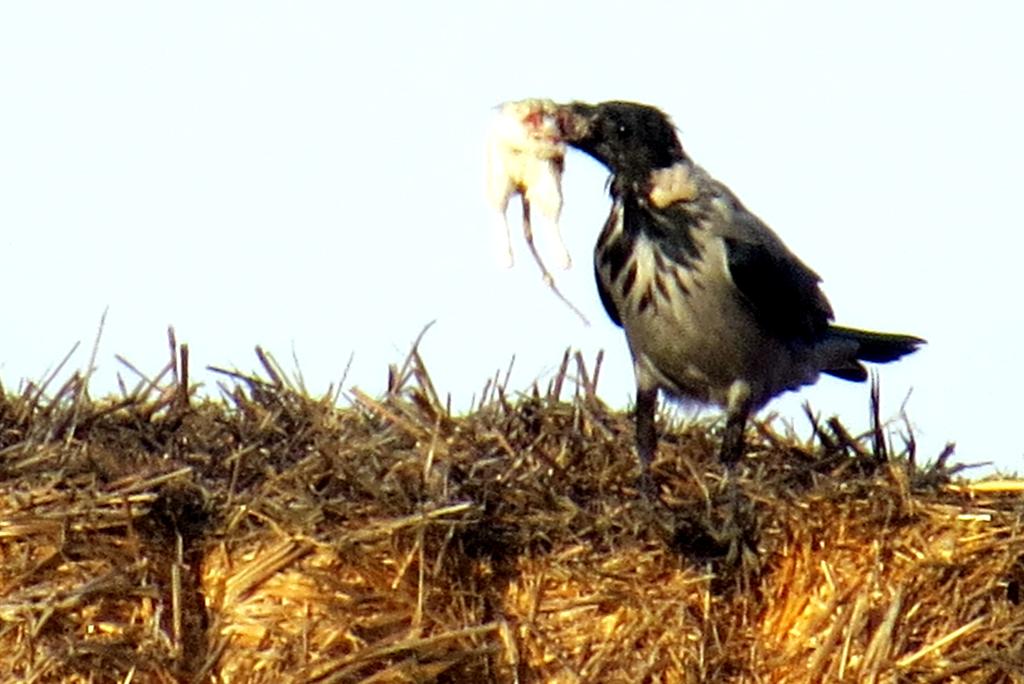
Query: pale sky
<point x="308" y="177"/>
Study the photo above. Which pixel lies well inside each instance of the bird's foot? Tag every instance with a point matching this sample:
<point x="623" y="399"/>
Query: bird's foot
<point x="723" y="533"/>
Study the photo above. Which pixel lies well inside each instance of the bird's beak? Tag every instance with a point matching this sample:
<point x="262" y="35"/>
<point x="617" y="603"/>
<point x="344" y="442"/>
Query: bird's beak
<point x="576" y="121"/>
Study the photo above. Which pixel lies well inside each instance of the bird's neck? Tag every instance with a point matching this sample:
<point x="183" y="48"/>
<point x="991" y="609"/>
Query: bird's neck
<point x="658" y="187"/>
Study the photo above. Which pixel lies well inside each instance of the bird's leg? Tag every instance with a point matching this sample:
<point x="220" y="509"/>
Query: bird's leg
<point x="732" y="439"/>
<point x="646" y="435"/>
<point x="735" y="531"/>
<point x="737" y="413"/>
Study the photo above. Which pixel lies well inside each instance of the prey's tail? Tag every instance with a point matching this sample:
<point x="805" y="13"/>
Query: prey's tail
<point x="873" y="347"/>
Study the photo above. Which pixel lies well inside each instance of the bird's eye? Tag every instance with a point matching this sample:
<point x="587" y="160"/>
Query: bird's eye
<point x="622" y="129"/>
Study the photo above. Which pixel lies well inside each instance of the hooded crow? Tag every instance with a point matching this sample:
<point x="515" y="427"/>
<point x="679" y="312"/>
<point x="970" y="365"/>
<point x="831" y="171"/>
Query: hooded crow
<point x="716" y="309"/>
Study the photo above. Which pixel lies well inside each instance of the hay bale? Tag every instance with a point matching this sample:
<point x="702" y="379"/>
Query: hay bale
<point x="272" y="537"/>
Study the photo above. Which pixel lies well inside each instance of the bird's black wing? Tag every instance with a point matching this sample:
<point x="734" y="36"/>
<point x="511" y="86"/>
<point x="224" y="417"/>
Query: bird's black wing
<point x="616" y="252"/>
<point x="606" y="299"/>
<point x="781" y="291"/>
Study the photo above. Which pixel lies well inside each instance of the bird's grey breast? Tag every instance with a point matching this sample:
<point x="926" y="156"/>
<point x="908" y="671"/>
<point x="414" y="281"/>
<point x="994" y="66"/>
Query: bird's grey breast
<point x="664" y="274"/>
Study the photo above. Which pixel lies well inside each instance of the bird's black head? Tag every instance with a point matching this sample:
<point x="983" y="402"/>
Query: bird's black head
<point x="630" y="139"/>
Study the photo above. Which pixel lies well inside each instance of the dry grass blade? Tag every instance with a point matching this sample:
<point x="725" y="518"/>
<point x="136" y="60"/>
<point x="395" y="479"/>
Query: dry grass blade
<point x="424" y="648"/>
<point x="939" y="644"/>
<point x="998" y="486"/>
<point x="263" y="567"/>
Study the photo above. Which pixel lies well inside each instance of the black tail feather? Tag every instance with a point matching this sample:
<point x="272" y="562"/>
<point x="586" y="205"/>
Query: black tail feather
<point x="874" y="347"/>
<point x="879" y="347"/>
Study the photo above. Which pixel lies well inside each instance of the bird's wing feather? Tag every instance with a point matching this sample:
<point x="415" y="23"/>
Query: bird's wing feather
<point x="781" y="291"/>
<point x="606" y="300"/>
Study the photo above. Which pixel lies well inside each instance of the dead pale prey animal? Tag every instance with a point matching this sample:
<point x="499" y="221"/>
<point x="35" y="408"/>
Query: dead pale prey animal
<point x="526" y="157"/>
